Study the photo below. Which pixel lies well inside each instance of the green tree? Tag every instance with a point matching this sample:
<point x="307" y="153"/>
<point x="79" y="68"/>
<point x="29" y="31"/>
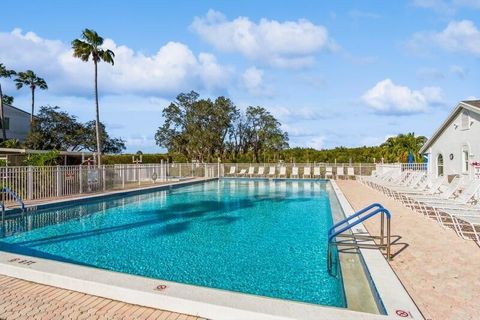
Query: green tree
<point x="6" y="99"/>
<point x="4" y="73"/>
<point x="90" y="45"/>
<point x="56" y="129"/>
<point x="263" y="132"/>
<point x="31" y="80"/>
<point x="396" y="149"/>
<point x="109" y="144"/>
<point x="196" y="127"/>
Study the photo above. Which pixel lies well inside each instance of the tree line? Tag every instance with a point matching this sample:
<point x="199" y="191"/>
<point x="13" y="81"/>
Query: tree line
<point x="206" y="129"/>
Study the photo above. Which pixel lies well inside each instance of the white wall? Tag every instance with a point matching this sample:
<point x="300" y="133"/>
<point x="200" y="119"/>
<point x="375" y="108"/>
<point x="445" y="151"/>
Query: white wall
<point x="452" y="141"/>
<point x="19" y="123"/>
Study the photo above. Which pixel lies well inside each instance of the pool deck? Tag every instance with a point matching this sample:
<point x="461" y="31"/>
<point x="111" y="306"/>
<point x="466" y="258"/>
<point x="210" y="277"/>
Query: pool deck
<point x="440" y="271"/>
<point x="20" y="299"/>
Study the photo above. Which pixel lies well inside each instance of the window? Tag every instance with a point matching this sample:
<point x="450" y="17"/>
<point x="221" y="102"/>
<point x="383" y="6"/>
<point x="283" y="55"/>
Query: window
<point x="465" y="120"/>
<point x="440" y="165"/>
<point x="7" y="124"/>
<point x="465" y="161"/>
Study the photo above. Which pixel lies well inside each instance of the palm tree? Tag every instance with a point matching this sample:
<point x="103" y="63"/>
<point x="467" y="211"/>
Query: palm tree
<point x="31" y="80"/>
<point x="4" y="73"/>
<point x="90" y="46"/>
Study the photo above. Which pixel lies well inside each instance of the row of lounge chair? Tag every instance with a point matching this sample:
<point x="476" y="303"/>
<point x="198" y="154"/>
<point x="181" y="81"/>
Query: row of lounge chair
<point x="295" y="172"/>
<point x="454" y="203"/>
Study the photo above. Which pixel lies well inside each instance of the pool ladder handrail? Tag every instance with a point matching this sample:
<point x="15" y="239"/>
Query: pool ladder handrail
<point x="340" y="227"/>
<point x="15" y="196"/>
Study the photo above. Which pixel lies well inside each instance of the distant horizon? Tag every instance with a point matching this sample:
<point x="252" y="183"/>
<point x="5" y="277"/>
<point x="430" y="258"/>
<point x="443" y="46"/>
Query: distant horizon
<point x="323" y="69"/>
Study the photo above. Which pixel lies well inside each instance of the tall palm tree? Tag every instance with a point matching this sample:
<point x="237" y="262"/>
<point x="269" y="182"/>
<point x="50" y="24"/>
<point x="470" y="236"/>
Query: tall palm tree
<point x="90" y="46"/>
<point x="4" y="73"/>
<point x="31" y="80"/>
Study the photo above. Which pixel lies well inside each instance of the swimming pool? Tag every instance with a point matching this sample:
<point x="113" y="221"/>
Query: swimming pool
<point x="253" y="236"/>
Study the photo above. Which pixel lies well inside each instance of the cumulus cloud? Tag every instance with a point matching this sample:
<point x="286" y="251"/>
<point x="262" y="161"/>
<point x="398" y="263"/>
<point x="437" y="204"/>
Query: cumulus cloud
<point x="459" y="36"/>
<point x="172" y="68"/>
<point x="282" y="44"/>
<point x="317" y="142"/>
<point x="389" y="98"/>
<point x="252" y="80"/>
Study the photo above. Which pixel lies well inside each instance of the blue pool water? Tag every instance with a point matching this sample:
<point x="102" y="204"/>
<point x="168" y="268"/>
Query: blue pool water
<point x="259" y="237"/>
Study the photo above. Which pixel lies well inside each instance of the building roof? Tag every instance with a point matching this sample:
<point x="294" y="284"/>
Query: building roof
<point x="5" y="151"/>
<point x="8" y="105"/>
<point x="472" y="105"/>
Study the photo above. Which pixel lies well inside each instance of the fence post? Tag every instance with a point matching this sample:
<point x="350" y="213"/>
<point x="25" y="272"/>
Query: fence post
<point x="138" y="174"/>
<point x="162" y="171"/>
<point x="123" y="168"/>
<point x="205" y="170"/>
<point x="104" y="178"/>
<point x="80" y="177"/>
<point x="30" y="183"/>
<point x="59" y="182"/>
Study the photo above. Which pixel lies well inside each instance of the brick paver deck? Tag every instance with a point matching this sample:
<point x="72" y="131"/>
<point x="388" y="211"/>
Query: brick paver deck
<point x="440" y="270"/>
<point x="24" y="300"/>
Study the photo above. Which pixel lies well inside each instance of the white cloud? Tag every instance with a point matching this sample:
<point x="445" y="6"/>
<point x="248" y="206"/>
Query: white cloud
<point x="459" y="36"/>
<point x="468" y="3"/>
<point x="439" y="6"/>
<point x="174" y="67"/>
<point x="294" y="114"/>
<point x="446" y="7"/>
<point x="387" y="97"/>
<point x="252" y="80"/>
<point x="317" y="142"/>
<point x="459" y="71"/>
<point x="282" y="44"/>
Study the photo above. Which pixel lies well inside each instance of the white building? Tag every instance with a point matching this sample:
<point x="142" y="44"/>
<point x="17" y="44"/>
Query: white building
<point x="454" y="149"/>
<point x="17" y="123"/>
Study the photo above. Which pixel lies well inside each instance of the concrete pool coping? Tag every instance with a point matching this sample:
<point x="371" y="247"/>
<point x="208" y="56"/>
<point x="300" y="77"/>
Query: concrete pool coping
<point x="194" y="300"/>
<point x="394" y="297"/>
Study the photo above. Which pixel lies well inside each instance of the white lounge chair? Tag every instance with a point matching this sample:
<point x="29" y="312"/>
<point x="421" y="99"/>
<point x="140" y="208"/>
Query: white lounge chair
<point x="316" y="172"/>
<point x="328" y="172"/>
<point x="261" y="171"/>
<point x="294" y="173"/>
<point x="251" y="171"/>
<point x="271" y="172"/>
<point x="232" y="171"/>
<point x="350" y="172"/>
<point x="242" y="173"/>
<point x="307" y="172"/>
<point x="340" y="172"/>
<point x="283" y="172"/>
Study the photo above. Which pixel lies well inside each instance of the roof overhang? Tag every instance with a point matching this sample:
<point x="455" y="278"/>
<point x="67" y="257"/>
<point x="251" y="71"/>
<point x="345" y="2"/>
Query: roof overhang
<point x="448" y="120"/>
<point x="29" y="151"/>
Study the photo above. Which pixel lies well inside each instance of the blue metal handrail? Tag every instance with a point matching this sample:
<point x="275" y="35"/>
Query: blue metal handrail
<point x="15" y="196"/>
<point x="360" y="220"/>
<point x="346" y="224"/>
<point x="356" y="214"/>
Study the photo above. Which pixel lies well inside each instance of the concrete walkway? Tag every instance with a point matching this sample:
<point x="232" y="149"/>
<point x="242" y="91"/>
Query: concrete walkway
<point x="440" y="270"/>
<point x="20" y="299"/>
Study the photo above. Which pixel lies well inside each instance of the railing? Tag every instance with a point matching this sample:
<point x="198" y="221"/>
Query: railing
<point x="36" y="183"/>
<point x="338" y="229"/>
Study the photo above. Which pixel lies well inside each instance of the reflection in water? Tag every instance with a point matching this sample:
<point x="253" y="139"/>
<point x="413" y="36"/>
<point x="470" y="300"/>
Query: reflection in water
<point x="23" y="222"/>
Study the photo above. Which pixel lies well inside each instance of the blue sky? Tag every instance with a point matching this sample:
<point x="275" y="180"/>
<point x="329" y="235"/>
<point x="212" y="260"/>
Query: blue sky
<point x="336" y="73"/>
